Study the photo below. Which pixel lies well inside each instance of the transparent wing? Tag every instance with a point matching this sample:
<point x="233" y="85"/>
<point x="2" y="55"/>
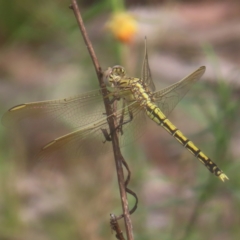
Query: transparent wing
<point x="90" y="140"/>
<point x="80" y="143"/>
<point x="135" y="128"/>
<point x="76" y="111"/>
<point x="86" y="113"/>
<point x="168" y="98"/>
<point x="146" y="72"/>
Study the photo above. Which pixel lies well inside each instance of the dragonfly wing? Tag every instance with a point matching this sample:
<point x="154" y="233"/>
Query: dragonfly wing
<point x="168" y="98"/>
<point x="77" y="111"/>
<point x="146" y="72"/>
<point x="78" y="144"/>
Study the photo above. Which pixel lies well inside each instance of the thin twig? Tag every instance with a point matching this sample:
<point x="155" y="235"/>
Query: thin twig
<point x="112" y="123"/>
<point x="129" y="190"/>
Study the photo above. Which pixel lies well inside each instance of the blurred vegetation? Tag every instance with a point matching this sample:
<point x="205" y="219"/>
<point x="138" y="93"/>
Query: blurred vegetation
<point x="51" y="19"/>
<point x="75" y="203"/>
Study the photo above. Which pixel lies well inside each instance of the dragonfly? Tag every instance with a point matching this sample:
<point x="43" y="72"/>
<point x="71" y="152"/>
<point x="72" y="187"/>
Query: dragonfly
<point x="133" y="100"/>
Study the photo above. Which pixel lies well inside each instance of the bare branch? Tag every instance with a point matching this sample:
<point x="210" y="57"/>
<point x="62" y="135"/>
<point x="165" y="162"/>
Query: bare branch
<point x="112" y="123"/>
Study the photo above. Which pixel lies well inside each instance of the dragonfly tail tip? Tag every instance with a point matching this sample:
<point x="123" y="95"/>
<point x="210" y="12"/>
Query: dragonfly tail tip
<point x="223" y="177"/>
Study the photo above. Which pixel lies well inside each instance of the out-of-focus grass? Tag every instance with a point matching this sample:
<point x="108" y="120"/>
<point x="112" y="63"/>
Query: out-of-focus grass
<point x="51" y="19"/>
<point x="20" y="18"/>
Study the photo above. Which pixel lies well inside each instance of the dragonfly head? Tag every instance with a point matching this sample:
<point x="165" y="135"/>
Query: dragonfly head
<point x="114" y="75"/>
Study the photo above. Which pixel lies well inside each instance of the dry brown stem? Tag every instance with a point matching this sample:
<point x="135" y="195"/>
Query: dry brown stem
<point x="112" y="123"/>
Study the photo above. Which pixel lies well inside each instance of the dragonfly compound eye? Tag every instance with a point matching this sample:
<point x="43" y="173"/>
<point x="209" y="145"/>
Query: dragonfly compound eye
<point x="118" y="71"/>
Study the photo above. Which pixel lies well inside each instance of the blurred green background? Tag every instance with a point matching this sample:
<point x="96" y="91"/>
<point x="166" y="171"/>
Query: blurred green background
<point x="44" y="57"/>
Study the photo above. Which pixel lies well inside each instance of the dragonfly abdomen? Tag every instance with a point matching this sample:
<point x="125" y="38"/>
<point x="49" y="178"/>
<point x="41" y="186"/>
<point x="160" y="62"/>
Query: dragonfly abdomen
<point x="157" y="116"/>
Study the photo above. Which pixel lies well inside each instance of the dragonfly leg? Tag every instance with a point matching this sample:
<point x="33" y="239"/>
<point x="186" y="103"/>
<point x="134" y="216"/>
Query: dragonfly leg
<point x="122" y="121"/>
<point x="114" y="98"/>
<point x="106" y="135"/>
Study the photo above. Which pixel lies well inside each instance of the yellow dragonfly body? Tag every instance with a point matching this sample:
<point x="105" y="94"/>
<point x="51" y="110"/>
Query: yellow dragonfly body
<point x="134" y="99"/>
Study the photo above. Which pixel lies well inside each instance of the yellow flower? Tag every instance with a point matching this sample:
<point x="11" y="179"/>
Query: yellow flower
<point x="123" y="26"/>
